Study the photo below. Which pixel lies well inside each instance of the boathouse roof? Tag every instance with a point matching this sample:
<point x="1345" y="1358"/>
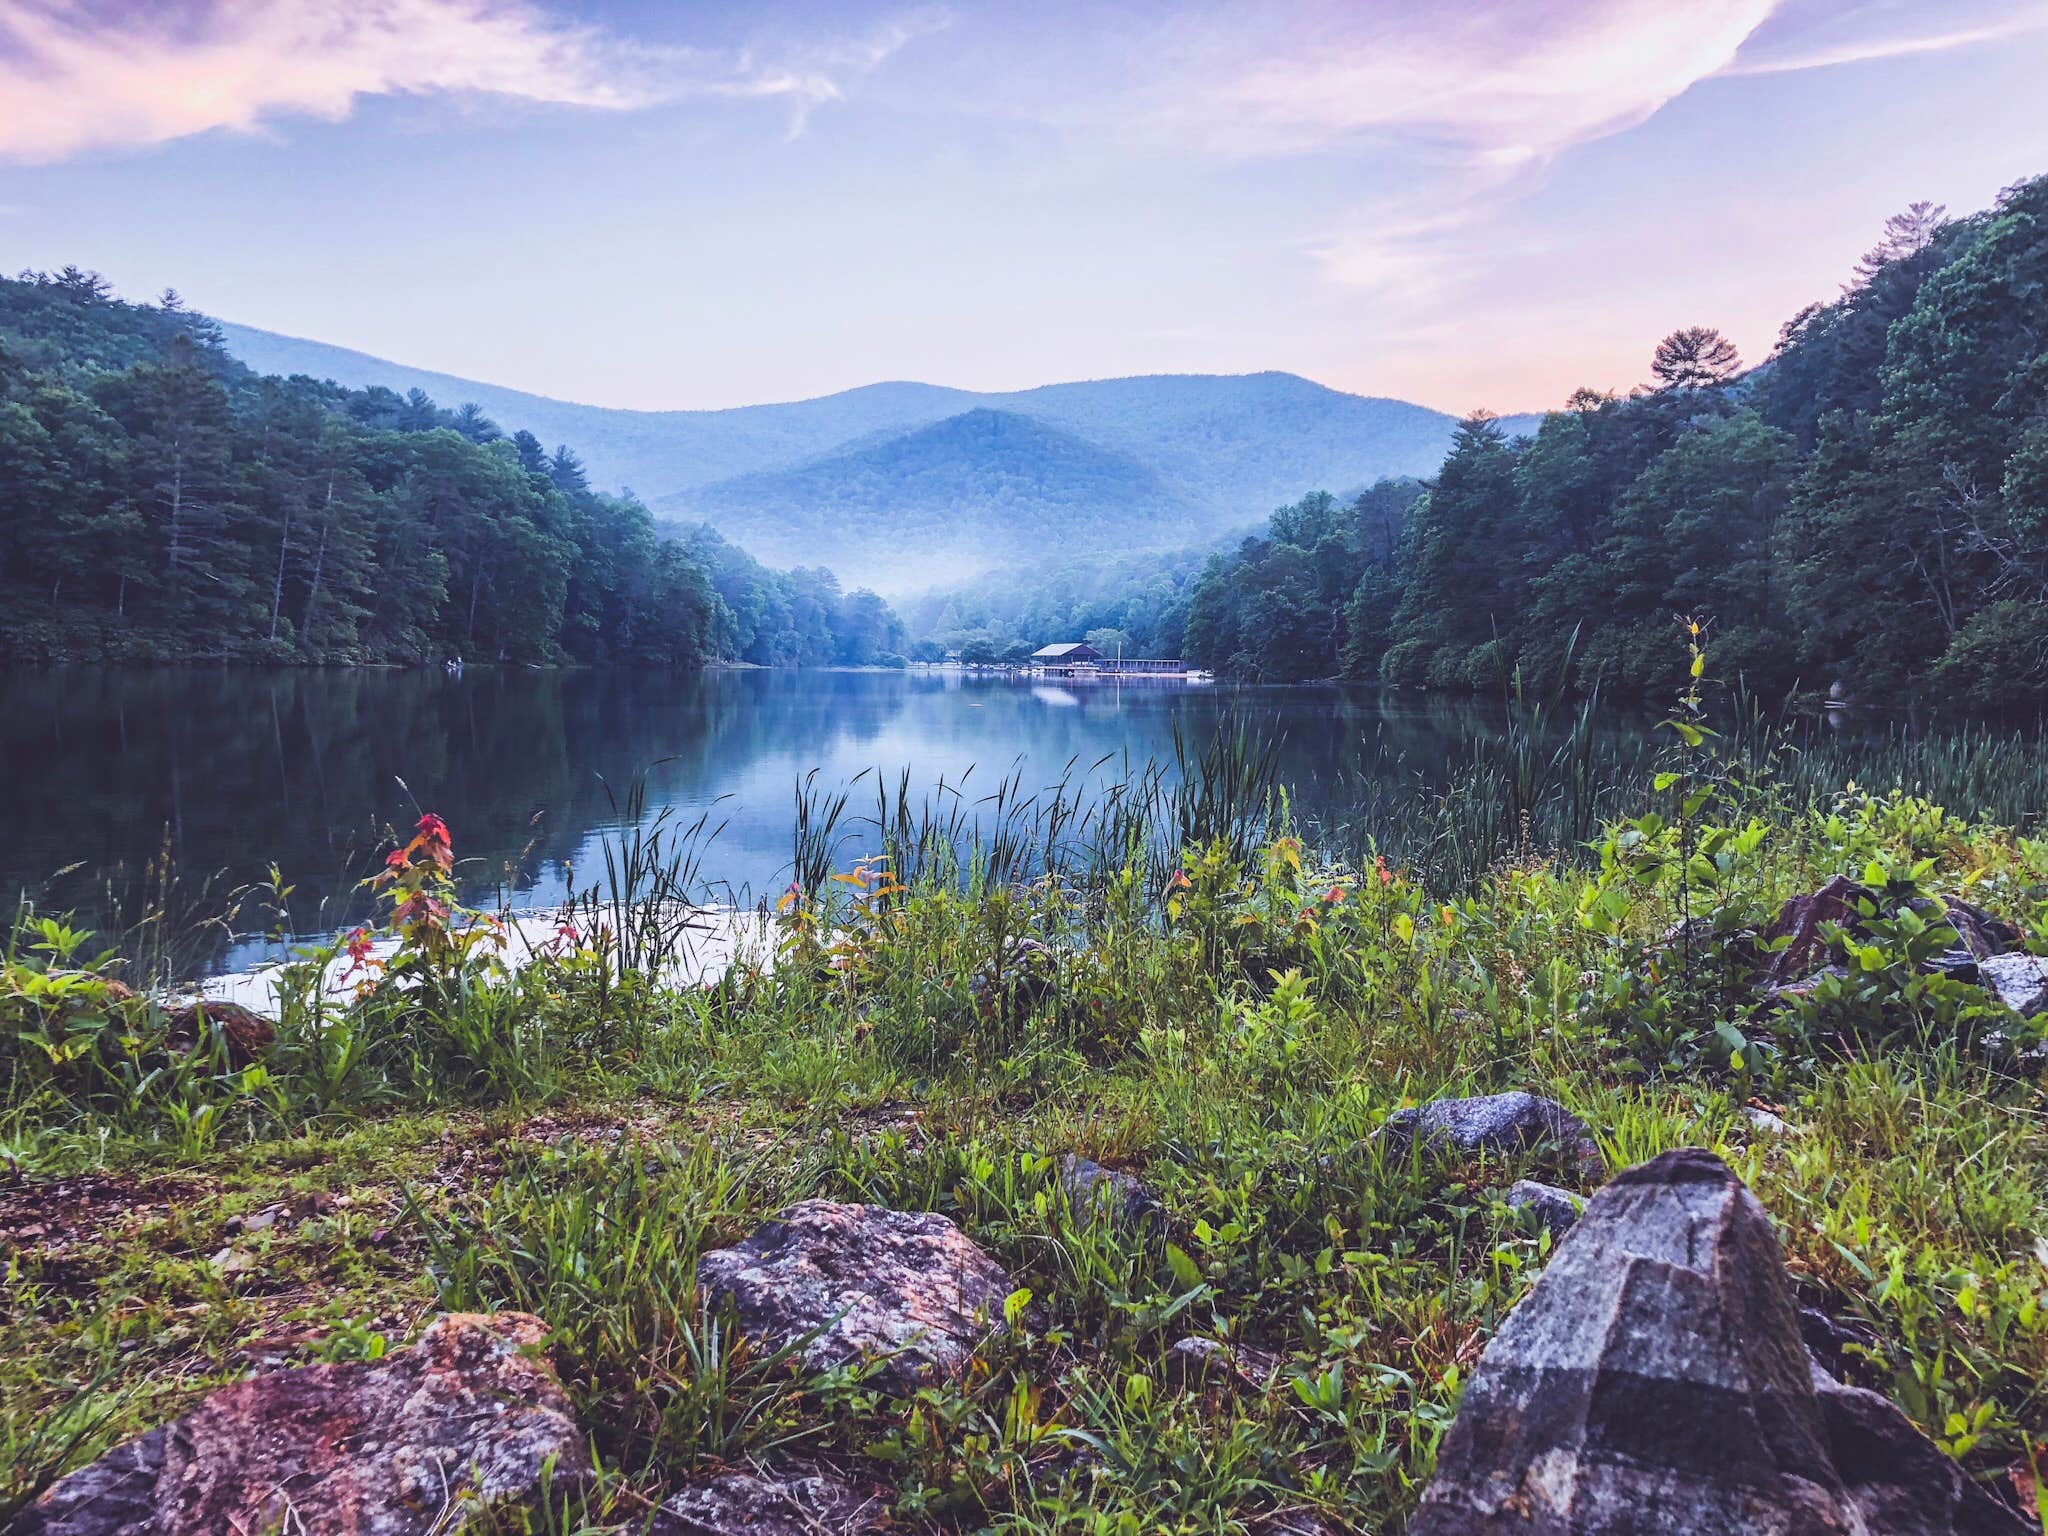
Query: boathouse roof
<point x="1075" y="650"/>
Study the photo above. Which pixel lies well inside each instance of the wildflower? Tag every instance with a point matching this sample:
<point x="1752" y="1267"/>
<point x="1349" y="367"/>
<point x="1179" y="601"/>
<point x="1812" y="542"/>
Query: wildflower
<point x="1379" y="867"/>
<point x="1449" y="915"/>
<point x="360" y="958"/>
<point x="1180" y="879"/>
<point x="1334" y="894"/>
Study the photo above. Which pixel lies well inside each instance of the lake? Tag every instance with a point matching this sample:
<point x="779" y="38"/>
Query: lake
<point x="231" y="770"/>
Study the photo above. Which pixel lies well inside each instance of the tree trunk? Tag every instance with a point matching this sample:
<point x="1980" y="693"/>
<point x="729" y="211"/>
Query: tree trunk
<point x="177" y="512"/>
<point x="284" y="544"/>
<point x="319" y="558"/>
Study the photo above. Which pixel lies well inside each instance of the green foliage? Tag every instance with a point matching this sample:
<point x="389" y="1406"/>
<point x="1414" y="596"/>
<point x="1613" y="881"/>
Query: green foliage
<point x="1143" y="597"/>
<point x="1868" y="510"/>
<point x="1235" y="1021"/>
<point x="159" y="501"/>
<point x="1285" y="607"/>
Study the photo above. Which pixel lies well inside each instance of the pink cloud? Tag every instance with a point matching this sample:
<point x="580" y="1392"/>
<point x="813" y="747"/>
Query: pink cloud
<point x="74" y="81"/>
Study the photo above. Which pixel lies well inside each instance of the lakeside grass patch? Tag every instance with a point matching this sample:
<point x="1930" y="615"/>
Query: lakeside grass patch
<point x="1233" y="1023"/>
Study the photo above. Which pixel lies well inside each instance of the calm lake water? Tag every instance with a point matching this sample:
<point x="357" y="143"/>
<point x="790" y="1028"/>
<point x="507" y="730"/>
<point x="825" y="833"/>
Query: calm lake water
<point x="233" y="770"/>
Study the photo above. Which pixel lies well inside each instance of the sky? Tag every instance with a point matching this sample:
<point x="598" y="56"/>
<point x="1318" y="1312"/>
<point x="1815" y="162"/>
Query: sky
<point x="663" y="204"/>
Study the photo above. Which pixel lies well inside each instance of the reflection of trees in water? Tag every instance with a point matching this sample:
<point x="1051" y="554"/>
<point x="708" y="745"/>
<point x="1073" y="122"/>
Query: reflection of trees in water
<point x="241" y="769"/>
<point x="301" y="768"/>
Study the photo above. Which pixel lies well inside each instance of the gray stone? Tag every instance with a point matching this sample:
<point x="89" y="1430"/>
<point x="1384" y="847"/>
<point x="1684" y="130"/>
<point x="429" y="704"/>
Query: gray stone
<point x="1765" y="1123"/>
<point x="1499" y="1125"/>
<point x="906" y="1287"/>
<point x="1123" y="1195"/>
<point x="1655" y="1381"/>
<point x="380" y="1449"/>
<point x="2018" y="981"/>
<point x="1795" y="944"/>
<point x="1556" y="1209"/>
<point x="789" y="1501"/>
<point x="1196" y="1360"/>
<point x="1896" y="1479"/>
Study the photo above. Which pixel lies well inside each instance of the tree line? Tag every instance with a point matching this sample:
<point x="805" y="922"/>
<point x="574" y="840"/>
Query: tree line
<point x="1867" y="510"/>
<point x="160" y="501"/>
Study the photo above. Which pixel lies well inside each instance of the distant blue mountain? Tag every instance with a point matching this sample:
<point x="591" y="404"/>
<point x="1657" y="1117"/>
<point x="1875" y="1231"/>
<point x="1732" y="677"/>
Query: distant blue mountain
<point x="876" y="480"/>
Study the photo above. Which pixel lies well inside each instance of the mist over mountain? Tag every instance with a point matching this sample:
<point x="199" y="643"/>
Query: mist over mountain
<point x="903" y="484"/>
<point x="979" y="489"/>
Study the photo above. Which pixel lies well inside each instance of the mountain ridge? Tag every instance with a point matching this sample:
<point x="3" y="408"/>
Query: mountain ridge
<point x="1221" y="451"/>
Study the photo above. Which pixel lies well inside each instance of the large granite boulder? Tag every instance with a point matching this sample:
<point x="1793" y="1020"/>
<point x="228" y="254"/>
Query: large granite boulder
<point x="466" y="1416"/>
<point x="1655" y="1381"/>
<point x="907" y="1287"/>
<point x="1498" y="1125"/>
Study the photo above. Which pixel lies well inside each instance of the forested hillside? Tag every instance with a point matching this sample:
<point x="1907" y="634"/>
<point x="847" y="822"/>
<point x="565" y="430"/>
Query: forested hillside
<point x="1137" y="463"/>
<point x="1136" y="604"/>
<point x="158" y="500"/>
<point x="1867" y="508"/>
<point x="981" y="489"/>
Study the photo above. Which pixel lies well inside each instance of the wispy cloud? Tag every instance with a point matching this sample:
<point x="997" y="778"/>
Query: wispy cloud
<point x="1788" y="59"/>
<point x="1502" y="85"/>
<point x="76" y="78"/>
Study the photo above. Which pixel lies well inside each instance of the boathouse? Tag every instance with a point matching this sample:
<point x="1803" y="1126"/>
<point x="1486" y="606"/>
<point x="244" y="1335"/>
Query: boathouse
<point x="1078" y="653"/>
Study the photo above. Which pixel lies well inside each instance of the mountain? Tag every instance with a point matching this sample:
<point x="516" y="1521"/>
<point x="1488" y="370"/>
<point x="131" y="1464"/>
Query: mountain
<point x="652" y="452"/>
<point x="975" y="490"/>
<point x="863" y="473"/>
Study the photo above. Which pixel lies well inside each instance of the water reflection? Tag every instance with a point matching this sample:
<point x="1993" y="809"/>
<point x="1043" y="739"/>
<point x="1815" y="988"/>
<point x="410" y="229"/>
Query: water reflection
<point x="236" y="769"/>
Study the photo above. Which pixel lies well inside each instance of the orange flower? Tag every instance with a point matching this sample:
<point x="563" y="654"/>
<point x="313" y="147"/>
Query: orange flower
<point x="1379" y="867"/>
<point x="1180" y="878"/>
<point x="1334" y="894"/>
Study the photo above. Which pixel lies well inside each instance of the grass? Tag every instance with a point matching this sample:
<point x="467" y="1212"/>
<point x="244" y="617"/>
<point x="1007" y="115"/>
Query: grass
<point x="1221" y="1008"/>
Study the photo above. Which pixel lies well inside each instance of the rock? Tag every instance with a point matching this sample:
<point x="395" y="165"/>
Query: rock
<point x="1010" y="989"/>
<point x="1655" y="1380"/>
<point x="2011" y="1055"/>
<point x="1124" y="1195"/>
<point x="1805" y="986"/>
<point x="1556" y="1209"/>
<point x="1194" y="1360"/>
<point x="2018" y="981"/>
<point x="1799" y="923"/>
<point x="1793" y="971"/>
<point x="1499" y="1125"/>
<point x="1978" y="933"/>
<point x="1764" y="1123"/>
<point x="792" y="1501"/>
<point x="246" y="1034"/>
<point x="1895" y="1477"/>
<point x="1294" y="1522"/>
<point x="381" y="1449"/>
<point x="904" y="1285"/>
<point x="1827" y="1339"/>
